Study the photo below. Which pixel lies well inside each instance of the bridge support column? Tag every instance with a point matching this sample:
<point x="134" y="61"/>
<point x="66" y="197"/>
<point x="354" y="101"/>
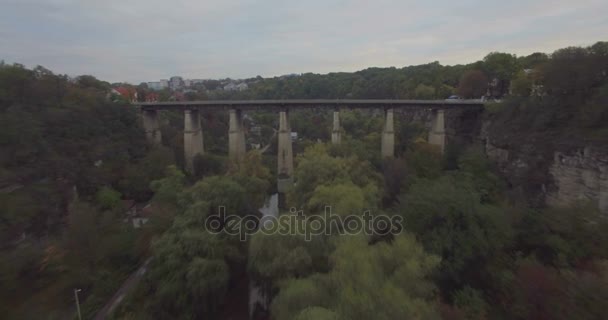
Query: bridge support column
<point x="236" y="136"/>
<point x="336" y="134"/>
<point x="388" y="135"/>
<point x="285" y="154"/>
<point x="437" y="133"/>
<point x="193" y="137"/>
<point x="152" y="126"/>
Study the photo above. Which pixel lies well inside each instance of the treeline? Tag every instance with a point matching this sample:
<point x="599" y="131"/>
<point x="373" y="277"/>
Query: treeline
<point x="565" y="97"/>
<point x="497" y="75"/>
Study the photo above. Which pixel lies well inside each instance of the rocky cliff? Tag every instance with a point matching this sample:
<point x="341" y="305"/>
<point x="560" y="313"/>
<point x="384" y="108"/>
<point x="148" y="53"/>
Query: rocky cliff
<point x="544" y="169"/>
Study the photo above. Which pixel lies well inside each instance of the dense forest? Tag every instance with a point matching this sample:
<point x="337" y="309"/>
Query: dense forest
<point x="68" y="157"/>
<point x="72" y="154"/>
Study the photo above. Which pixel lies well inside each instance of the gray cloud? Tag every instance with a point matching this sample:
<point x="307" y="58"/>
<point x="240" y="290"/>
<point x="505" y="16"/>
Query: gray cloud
<point x="139" y="40"/>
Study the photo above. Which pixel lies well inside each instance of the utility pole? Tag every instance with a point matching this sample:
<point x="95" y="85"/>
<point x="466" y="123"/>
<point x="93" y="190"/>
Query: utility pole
<point x="77" y="303"/>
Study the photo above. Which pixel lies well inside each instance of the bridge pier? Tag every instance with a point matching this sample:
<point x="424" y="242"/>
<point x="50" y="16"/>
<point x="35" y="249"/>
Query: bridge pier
<point x="236" y="136"/>
<point x="285" y="154"/>
<point x="151" y="126"/>
<point x="336" y="133"/>
<point x="437" y="132"/>
<point x="388" y="135"/>
<point x="193" y="137"/>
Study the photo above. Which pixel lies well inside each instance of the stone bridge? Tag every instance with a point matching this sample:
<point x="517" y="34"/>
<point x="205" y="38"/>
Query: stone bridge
<point x="193" y="133"/>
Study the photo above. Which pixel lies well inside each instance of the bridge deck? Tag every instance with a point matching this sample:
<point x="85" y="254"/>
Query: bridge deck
<point x="314" y="103"/>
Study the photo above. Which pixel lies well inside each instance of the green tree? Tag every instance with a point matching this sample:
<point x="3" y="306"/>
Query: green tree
<point x="189" y="274"/>
<point x="534" y="60"/>
<point x="168" y="189"/>
<point x="317" y="168"/>
<point x="424" y="92"/>
<point x="447" y="217"/>
<point x="381" y="281"/>
<point x="345" y="199"/>
<point x="522" y="84"/>
<point x="502" y="66"/>
<point x="472" y="84"/>
<point x="108" y="198"/>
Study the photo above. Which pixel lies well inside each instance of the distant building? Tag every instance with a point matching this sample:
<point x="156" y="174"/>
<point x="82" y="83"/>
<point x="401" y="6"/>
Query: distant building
<point x="130" y="94"/>
<point x="187" y="83"/>
<point x="151" y="97"/>
<point x="158" y="85"/>
<point x="155" y="85"/>
<point x="137" y="215"/>
<point x="176" y="83"/>
<point x="232" y="86"/>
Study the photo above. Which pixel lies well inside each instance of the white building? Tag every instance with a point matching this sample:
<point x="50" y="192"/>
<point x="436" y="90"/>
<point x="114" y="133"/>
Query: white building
<point x="232" y="86"/>
<point x="154" y="85"/>
<point x="176" y="82"/>
<point x="164" y="84"/>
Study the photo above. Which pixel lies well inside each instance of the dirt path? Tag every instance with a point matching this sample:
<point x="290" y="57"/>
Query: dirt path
<point x="124" y="289"/>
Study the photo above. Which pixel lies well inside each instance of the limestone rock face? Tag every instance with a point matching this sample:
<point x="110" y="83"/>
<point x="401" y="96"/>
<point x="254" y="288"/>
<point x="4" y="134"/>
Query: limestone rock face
<point x="548" y="172"/>
<point x="581" y="175"/>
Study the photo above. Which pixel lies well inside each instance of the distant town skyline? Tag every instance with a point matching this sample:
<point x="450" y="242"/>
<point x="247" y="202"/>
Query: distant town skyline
<point x="140" y="41"/>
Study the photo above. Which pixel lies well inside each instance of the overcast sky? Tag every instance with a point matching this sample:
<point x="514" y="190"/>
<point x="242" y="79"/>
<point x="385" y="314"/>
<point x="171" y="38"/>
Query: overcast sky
<point x="145" y="40"/>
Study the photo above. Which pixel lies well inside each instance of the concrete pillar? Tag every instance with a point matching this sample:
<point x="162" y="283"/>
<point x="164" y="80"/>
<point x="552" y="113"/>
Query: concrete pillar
<point x="236" y="135"/>
<point x="336" y="134"/>
<point x="285" y="153"/>
<point x="388" y="135"/>
<point x="193" y="137"/>
<point x="152" y="126"/>
<point x="437" y="132"/>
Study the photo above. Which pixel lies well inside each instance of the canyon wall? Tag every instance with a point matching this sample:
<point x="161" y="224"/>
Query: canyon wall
<point x="545" y="170"/>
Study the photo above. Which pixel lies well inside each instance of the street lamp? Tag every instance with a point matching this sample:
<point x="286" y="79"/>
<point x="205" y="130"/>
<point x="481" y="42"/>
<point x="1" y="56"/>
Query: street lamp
<point x="77" y="303"/>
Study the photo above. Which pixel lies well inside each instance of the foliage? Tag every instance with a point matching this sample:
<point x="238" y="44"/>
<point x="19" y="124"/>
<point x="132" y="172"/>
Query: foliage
<point x="282" y="252"/>
<point x="59" y="134"/>
<point x="381" y="281"/>
<point x="316" y="168"/>
<point x="168" y="189"/>
<point x="139" y="175"/>
<point x="448" y="219"/>
<point x="473" y="84"/>
<point x="522" y="84"/>
<point x="475" y="167"/>
<point x="564" y="237"/>
<point x="501" y="66"/>
<point x="566" y="101"/>
<point x="424" y="160"/>
<point x="189" y="274"/>
<point x="424" y="92"/>
<point x="207" y="165"/>
<point x="108" y="198"/>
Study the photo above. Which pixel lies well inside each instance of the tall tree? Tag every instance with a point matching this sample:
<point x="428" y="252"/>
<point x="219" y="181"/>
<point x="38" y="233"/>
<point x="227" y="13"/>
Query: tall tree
<point x="472" y="84"/>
